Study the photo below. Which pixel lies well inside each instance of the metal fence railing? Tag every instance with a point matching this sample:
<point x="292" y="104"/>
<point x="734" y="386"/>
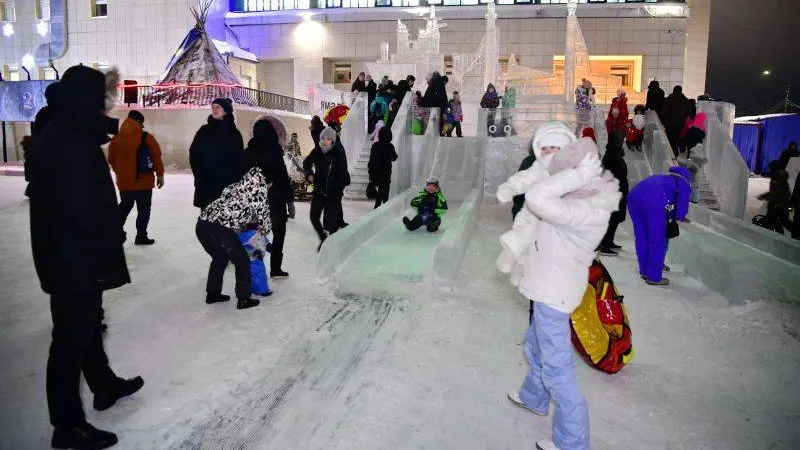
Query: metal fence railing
<point x="202" y="95"/>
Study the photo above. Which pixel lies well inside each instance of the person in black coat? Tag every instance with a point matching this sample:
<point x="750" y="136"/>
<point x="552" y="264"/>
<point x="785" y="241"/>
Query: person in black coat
<point x="403" y="87"/>
<point x="372" y="89"/>
<point x="655" y="97"/>
<point x="673" y="115"/>
<point x="379" y="167"/>
<point x="360" y="85"/>
<point x="43" y="117"/>
<point x="316" y="128"/>
<point x="435" y="95"/>
<point x="326" y="168"/>
<point x="216" y="154"/>
<point x="614" y="162"/>
<point x="265" y="151"/>
<point x="76" y="240"/>
<point x="788" y="154"/>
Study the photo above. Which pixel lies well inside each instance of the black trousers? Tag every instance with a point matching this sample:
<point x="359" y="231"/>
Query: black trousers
<point x="780" y="219"/>
<point x="224" y="246"/>
<point x="673" y="134"/>
<point x="144" y="201"/>
<point x="77" y="347"/>
<point x="332" y="208"/>
<point x="608" y="238"/>
<point x="279" y="216"/>
<point x="383" y="194"/>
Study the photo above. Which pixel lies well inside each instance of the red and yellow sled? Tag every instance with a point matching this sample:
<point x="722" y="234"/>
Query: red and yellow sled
<point x="600" y="329"/>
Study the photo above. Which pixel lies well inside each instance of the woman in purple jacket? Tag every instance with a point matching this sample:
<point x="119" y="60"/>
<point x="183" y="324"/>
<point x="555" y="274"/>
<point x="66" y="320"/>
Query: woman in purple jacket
<point x="651" y="203"/>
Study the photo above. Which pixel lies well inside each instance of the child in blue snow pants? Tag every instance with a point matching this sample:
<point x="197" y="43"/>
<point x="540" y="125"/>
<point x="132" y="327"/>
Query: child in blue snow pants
<point x="256" y="246"/>
<point x="552" y="377"/>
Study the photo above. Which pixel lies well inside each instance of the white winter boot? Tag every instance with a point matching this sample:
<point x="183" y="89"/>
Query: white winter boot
<point x="546" y="445"/>
<point x="514" y="397"/>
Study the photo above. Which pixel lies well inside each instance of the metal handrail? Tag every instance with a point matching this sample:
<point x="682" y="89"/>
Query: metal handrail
<point x="204" y="94"/>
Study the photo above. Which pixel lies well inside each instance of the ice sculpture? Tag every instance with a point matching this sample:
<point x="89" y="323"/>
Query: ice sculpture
<point x="417" y="57"/>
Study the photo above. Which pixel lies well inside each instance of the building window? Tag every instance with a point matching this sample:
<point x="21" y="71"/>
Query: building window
<point x="7" y="11"/>
<point x="11" y="72"/>
<point x="42" y="9"/>
<point x="99" y="8"/>
<point x="342" y="73"/>
<point x="47" y="73"/>
<point x="102" y="66"/>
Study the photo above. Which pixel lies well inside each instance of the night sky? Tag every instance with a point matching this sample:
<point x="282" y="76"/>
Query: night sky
<point x="748" y="37"/>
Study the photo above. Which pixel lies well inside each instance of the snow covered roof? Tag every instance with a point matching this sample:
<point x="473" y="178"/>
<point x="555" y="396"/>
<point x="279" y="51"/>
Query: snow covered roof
<point x="236" y="52"/>
<point x="756" y="119"/>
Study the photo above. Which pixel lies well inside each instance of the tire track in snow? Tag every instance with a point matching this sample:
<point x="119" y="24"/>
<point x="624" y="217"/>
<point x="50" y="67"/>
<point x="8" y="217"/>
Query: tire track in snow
<point x="289" y="402"/>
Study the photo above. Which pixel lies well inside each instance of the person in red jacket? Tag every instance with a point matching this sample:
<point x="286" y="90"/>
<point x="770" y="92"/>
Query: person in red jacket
<point x="617" y="119"/>
<point x="136" y="176"/>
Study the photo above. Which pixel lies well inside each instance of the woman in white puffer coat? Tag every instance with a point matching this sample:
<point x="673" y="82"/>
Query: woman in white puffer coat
<point x="549" y="137"/>
<point x="573" y="205"/>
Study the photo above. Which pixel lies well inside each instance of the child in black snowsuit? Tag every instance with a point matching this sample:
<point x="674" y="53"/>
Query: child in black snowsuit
<point x="431" y="204"/>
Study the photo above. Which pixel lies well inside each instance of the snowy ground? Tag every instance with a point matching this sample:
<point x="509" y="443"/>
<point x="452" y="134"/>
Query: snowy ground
<point x="416" y="370"/>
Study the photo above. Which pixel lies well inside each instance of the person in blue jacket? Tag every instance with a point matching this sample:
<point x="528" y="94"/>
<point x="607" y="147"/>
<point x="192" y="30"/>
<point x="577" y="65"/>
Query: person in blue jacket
<point x="651" y="203"/>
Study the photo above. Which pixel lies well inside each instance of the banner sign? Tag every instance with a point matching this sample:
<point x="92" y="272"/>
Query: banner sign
<point x="21" y="100"/>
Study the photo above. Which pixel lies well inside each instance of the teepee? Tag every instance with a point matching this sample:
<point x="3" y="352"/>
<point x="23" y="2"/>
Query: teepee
<point x="197" y="72"/>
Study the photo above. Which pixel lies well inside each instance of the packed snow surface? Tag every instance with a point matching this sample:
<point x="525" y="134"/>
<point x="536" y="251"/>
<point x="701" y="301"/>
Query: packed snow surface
<point x="412" y="370"/>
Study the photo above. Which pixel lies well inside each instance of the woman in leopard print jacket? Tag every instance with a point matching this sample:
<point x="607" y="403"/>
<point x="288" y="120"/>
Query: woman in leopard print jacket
<point x="241" y="203"/>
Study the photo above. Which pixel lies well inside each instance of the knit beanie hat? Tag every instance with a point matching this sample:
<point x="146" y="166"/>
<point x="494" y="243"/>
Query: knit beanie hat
<point x="327" y="133"/>
<point x="226" y="104"/>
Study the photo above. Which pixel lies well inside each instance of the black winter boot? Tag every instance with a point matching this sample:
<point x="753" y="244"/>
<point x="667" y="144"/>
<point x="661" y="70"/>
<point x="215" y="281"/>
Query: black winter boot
<point x="216" y="298"/>
<point x="143" y="240"/>
<point x="82" y="437"/>
<point x="244" y="303"/>
<point x="122" y="388"/>
<point x="276" y="261"/>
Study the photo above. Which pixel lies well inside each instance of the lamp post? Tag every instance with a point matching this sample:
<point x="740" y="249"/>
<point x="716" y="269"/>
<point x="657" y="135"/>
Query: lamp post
<point x="786" y="101"/>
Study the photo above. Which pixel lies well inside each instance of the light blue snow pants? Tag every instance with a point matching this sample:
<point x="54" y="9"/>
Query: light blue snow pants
<point x="552" y="376"/>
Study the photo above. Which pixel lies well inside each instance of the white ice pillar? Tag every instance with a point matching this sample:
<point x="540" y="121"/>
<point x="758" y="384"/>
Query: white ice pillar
<point x="492" y="49"/>
<point x="695" y="58"/>
<point x="570" y="55"/>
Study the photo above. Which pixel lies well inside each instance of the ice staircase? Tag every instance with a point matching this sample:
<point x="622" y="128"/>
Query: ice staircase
<point x="359" y="178"/>
<point x="707" y="196"/>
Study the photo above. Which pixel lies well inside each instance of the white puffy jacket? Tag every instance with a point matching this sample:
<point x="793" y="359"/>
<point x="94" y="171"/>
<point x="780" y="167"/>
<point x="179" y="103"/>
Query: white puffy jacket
<point x="563" y="244"/>
<point x="515" y="242"/>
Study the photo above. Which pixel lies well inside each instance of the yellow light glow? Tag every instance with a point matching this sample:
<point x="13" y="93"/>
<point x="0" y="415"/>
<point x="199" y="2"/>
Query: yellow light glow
<point x="637" y="65"/>
<point x="309" y="34"/>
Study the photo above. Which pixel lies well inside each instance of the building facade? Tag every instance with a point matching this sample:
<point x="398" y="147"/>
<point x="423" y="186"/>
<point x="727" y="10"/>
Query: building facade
<point x="297" y="45"/>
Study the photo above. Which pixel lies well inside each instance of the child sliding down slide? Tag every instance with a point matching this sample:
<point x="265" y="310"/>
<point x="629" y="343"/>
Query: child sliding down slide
<point x="430" y="204"/>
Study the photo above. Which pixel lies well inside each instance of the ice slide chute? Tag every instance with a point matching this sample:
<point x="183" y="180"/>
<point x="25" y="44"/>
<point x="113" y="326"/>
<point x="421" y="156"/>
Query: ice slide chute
<point x="376" y="254"/>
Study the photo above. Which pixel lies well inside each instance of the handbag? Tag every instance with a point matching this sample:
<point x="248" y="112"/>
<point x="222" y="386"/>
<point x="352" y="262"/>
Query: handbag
<point x="372" y="191"/>
<point x="673" y="230"/>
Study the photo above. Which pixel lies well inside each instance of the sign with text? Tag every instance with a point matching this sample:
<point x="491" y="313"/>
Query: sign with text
<point x="21" y="100"/>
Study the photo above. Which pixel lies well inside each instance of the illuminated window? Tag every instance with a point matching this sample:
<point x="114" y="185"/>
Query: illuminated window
<point x="11" y="72"/>
<point x="342" y="73"/>
<point x="99" y="8"/>
<point x="7" y="11"/>
<point x="47" y="73"/>
<point x="42" y="9"/>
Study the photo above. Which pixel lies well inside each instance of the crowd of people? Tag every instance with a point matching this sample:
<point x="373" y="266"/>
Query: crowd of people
<point x="567" y="206"/>
<point x="386" y="97"/>
<point x="244" y="194"/>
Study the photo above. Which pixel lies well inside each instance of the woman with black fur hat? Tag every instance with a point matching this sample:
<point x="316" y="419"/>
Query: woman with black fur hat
<point x="216" y="154"/>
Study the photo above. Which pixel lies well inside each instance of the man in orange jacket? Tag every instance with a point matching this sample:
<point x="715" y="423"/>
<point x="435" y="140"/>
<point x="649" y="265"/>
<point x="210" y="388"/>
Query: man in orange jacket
<point x="137" y="169"/>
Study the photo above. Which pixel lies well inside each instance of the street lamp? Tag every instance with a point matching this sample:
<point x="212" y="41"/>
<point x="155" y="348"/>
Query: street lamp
<point x="766" y="73"/>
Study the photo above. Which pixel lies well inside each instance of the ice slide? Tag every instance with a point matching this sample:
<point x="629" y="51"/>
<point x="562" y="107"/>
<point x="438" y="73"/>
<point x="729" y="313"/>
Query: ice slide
<point x="377" y="255"/>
